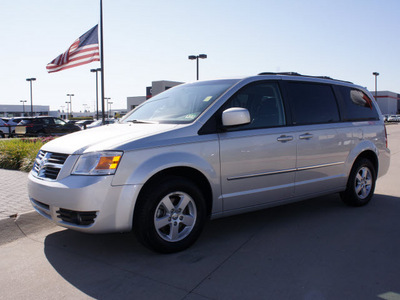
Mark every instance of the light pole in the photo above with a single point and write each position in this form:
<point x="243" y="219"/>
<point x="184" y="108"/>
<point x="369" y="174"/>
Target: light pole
<point x="107" y="105"/>
<point x="85" y="107"/>
<point x="376" y="74"/>
<point x="97" y="91"/>
<point x="196" y="57"/>
<point x="23" y="107"/>
<point x="30" y="81"/>
<point x="67" y="109"/>
<point x="109" y="112"/>
<point x="70" y="103"/>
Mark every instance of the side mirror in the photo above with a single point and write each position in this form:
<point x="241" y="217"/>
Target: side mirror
<point x="235" y="116"/>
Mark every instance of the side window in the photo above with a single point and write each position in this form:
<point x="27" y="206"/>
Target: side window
<point x="357" y="105"/>
<point x="312" y="103"/>
<point x="43" y="121"/>
<point x="263" y="101"/>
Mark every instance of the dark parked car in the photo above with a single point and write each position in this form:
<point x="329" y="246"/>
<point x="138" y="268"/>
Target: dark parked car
<point x="84" y="123"/>
<point x="12" y="124"/>
<point x="44" y="126"/>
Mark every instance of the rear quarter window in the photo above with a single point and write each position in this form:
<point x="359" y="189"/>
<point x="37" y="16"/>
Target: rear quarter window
<point x="357" y="106"/>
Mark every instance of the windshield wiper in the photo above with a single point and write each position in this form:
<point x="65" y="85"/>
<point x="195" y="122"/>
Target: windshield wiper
<point x="141" y="122"/>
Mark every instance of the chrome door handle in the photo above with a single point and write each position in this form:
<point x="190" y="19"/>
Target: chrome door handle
<point x="284" y="138"/>
<point x="306" y="136"/>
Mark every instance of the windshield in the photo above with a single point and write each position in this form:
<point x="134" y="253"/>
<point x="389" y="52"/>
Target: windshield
<point x="180" y="104"/>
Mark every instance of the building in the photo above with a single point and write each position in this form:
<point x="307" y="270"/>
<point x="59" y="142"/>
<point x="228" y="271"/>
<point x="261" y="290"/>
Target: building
<point x="156" y="88"/>
<point x="10" y="110"/>
<point x="389" y="102"/>
<point x="132" y="102"/>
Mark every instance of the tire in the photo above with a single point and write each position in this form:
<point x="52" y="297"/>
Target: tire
<point x="361" y="183"/>
<point x="41" y="134"/>
<point x="170" y="215"/>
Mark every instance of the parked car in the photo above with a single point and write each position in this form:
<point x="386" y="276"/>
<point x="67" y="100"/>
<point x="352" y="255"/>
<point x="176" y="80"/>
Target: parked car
<point x="11" y="124"/>
<point x="212" y="149"/>
<point x="44" y="126"/>
<point x="393" y="118"/>
<point x="84" y="123"/>
<point x="3" y="128"/>
<point x="98" y="123"/>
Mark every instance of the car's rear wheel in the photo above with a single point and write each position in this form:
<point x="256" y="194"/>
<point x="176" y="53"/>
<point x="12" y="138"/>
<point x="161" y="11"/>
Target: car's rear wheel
<point x="361" y="183"/>
<point x="170" y="215"/>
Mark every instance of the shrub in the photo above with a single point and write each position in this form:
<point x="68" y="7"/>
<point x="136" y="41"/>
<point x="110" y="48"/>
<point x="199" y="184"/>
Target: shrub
<point x="20" y="154"/>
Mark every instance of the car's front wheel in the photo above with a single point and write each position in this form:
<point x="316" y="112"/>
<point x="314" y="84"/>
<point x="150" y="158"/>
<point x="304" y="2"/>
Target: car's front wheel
<point x="170" y="215"/>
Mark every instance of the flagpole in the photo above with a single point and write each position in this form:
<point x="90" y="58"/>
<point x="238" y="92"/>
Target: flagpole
<point x="102" y="62"/>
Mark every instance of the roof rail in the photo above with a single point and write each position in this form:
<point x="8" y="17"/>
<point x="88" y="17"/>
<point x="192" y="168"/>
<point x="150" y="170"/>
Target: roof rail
<point x="298" y="74"/>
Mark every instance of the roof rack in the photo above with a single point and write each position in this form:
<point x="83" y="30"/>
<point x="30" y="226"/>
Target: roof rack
<point x="298" y="74"/>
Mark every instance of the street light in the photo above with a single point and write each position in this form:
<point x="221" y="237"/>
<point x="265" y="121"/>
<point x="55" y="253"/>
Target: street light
<point x="30" y="81"/>
<point x="107" y="104"/>
<point x="85" y="107"/>
<point x="376" y="74"/>
<point x="109" y="111"/>
<point x="70" y="102"/>
<point x="23" y="106"/>
<point x="97" y="91"/>
<point x="196" y="57"/>
<point x="67" y="109"/>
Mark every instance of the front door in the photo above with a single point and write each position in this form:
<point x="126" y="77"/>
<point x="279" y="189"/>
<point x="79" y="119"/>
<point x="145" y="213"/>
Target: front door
<point x="258" y="160"/>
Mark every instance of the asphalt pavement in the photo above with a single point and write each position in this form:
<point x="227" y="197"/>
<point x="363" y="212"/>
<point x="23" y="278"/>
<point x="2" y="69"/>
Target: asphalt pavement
<point x="315" y="249"/>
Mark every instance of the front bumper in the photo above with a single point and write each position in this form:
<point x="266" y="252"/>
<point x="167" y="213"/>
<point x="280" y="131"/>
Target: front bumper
<point x="84" y="203"/>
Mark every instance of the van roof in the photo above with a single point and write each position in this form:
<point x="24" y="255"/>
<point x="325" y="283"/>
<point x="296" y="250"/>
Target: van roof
<point x="301" y="75"/>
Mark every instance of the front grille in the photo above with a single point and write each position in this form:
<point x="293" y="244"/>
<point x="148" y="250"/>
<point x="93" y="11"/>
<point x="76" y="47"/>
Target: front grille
<point x="77" y="217"/>
<point x="48" y="164"/>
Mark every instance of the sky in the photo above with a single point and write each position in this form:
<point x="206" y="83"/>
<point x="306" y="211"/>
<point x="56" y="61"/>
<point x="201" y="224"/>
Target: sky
<point x="150" y="40"/>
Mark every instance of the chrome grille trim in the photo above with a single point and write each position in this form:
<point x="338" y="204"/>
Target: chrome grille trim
<point x="47" y="165"/>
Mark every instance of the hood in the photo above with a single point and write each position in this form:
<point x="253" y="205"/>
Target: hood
<point x="107" y="137"/>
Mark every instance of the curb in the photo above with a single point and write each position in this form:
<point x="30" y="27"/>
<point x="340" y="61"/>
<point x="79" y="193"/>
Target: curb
<point x="22" y="225"/>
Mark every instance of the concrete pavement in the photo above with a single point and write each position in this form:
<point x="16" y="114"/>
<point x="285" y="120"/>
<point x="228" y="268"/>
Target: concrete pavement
<point x="13" y="193"/>
<point x="17" y="216"/>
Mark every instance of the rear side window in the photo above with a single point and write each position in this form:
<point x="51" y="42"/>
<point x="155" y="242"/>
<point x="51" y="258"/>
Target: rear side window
<point x="357" y="105"/>
<point x="312" y="103"/>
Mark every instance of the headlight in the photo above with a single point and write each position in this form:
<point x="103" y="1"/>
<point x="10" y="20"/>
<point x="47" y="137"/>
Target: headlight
<point x="97" y="163"/>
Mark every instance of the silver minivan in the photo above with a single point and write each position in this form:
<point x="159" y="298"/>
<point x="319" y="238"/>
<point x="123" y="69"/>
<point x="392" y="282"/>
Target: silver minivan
<point x="211" y="149"/>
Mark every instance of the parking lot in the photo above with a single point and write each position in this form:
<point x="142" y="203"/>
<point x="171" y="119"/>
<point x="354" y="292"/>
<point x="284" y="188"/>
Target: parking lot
<point x="315" y="249"/>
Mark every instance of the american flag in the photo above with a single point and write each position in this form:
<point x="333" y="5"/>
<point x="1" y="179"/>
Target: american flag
<point x="83" y="51"/>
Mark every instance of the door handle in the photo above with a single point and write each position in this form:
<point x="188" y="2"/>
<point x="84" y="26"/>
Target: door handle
<point x="284" y="138"/>
<point x="306" y="136"/>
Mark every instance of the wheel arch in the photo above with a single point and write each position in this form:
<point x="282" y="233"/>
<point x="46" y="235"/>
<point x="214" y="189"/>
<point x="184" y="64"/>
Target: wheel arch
<point x="364" y="149"/>
<point x="372" y="157"/>
<point x="192" y="174"/>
